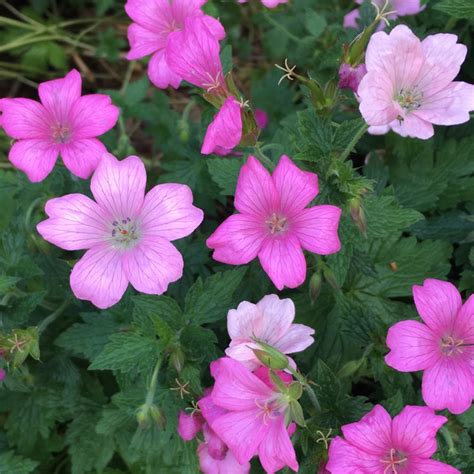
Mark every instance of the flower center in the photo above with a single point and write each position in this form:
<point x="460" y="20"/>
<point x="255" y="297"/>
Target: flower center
<point x="61" y="133"/>
<point x="276" y="224"/>
<point x="124" y="234"/>
<point x="451" y="346"/>
<point x="214" y="84"/>
<point x="394" y="461"/>
<point x="409" y="99"/>
<point x="268" y="410"/>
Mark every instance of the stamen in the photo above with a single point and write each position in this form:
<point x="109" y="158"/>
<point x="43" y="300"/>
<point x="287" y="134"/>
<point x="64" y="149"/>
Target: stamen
<point x="289" y="72"/>
<point x="451" y="346"/>
<point x="215" y="83"/>
<point x="409" y="100"/>
<point x="61" y="133"/>
<point x="266" y="411"/>
<point x="124" y="234"/>
<point x="393" y="461"/>
<point x="276" y="223"/>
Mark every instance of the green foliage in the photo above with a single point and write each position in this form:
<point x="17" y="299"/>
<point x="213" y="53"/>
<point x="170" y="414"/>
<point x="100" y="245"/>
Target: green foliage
<point x="457" y="8"/>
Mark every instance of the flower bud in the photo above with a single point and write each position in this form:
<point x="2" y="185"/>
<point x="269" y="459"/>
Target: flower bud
<point x="358" y="215"/>
<point x="331" y="278"/>
<point x="295" y="390"/>
<point x="148" y="414"/>
<point x="3" y="374"/>
<point x="315" y="286"/>
<point x="177" y="359"/>
<point x="350" y="77"/>
<point x="270" y="357"/>
<point x="296" y="413"/>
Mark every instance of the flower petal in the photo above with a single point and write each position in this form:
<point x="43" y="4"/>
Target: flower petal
<point x="242" y="432"/>
<point x="98" y="277"/>
<point x="156" y="15"/>
<point x="59" y="95"/>
<point x="75" y="223"/>
<point x="317" y="229"/>
<point x="225" y="131"/>
<point x="168" y="212"/>
<point x="36" y="158"/>
<point x="413" y="346"/>
<point x="228" y="465"/>
<point x="92" y="115"/>
<point x="236" y="388"/>
<point x="413" y="126"/>
<point x="189" y="425"/>
<point x="276" y="450"/>
<point x="143" y="41"/>
<point x="160" y="73"/>
<point x="255" y="193"/>
<point x="25" y="118"/>
<point x="276" y="318"/>
<point x="372" y="433"/>
<point x="297" y="339"/>
<point x="152" y="265"/>
<point x="237" y="240"/>
<point x="283" y="261"/>
<point x="429" y="466"/>
<point x="414" y="431"/>
<point x="295" y="188"/>
<point x="119" y="186"/>
<point x="438" y="303"/>
<point x="449" y="384"/>
<point x="81" y="157"/>
<point x="464" y="324"/>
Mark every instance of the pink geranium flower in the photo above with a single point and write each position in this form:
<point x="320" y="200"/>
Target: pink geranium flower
<point x="261" y="118"/>
<point x="270" y="320"/>
<point x="193" y="54"/>
<point x="274" y="223"/>
<point x="398" y="7"/>
<point x="409" y="84"/>
<point x="379" y="445"/>
<point x="443" y="347"/>
<point x="214" y="456"/>
<point x="3" y="374"/>
<point x="154" y="22"/>
<point x="127" y="234"/>
<point x="64" y="123"/>
<point x="350" y="77"/>
<point x="252" y="421"/>
<point x="268" y="3"/>
<point x="225" y="131"/>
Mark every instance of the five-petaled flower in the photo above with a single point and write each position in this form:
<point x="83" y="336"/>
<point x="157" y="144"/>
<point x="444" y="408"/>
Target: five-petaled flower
<point x="64" y="123"/>
<point x="379" y="445"/>
<point x="442" y="346"/>
<point x="274" y="223"/>
<point x="409" y="85"/>
<point x="270" y="321"/>
<point x="127" y="234"/>
<point x="154" y="22"/>
<point x="253" y="415"/>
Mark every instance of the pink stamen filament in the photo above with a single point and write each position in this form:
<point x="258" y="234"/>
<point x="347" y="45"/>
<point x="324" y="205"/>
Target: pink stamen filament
<point x="452" y="346"/>
<point x="214" y="84"/>
<point x="276" y="223"/>
<point x="266" y="412"/>
<point x="392" y="462"/>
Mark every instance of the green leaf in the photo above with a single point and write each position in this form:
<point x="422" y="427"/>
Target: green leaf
<point x="7" y="282"/>
<point x="128" y="352"/>
<point x="315" y="23"/>
<point x="226" y="58"/>
<point x="137" y="91"/>
<point x="89" y="450"/>
<point x="89" y="338"/>
<point x="10" y="463"/>
<point x="462" y="9"/>
<point x="209" y="301"/>
<point x="159" y="310"/>
<point x="225" y="172"/>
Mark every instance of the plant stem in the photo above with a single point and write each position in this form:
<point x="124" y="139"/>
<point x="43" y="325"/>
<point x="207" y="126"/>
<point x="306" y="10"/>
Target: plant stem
<point x="263" y="158"/>
<point x="281" y="27"/>
<point x="150" y="396"/>
<point x="52" y="317"/>
<point x="449" y="440"/>
<point x="17" y="24"/>
<point x="359" y="134"/>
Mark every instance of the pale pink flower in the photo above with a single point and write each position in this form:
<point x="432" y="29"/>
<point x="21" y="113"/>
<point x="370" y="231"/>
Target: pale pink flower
<point x="442" y="346"/>
<point x="350" y="77"/>
<point x="64" y="123"/>
<point x="409" y="84"/>
<point x="154" y="22"/>
<point x="271" y="321"/>
<point x="225" y="131"/>
<point x="253" y="418"/>
<point x="398" y="7"/>
<point x="268" y="3"/>
<point x="261" y="118"/>
<point x="193" y="54"/>
<point x="214" y="456"/>
<point x="274" y="223"/>
<point x="379" y="445"/>
<point x="127" y="234"/>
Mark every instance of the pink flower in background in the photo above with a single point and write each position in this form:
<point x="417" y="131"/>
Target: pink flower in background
<point x="409" y="84"/>
<point x="350" y="77"/>
<point x="214" y="456"/>
<point x="64" y="123"/>
<point x="193" y="54"/>
<point x="274" y="223"/>
<point x="442" y="346"/>
<point x="261" y="118"/>
<point x="270" y="320"/>
<point x="127" y="233"/>
<point x="399" y="7"/>
<point x="3" y="374"/>
<point x="225" y="131"/>
<point x="379" y="445"/>
<point x="154" y="22"/>
<point x="252" y="421"/>
<point x="268" y="3"/>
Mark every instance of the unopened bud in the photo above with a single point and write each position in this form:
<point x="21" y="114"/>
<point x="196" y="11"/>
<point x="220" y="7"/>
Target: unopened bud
<point x="315" y="286"/>
<point x="177" y="359"/>
<point x="331" y="278"/>
<point x="350" y="77"/>
<point x="295" y="390"/>
<point x="358" y="215"/>
<point x="148" y="414"/>
<point x="270" y="357"/>
<point x="296" y="413"/>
